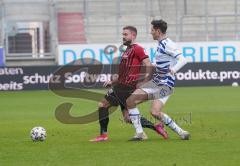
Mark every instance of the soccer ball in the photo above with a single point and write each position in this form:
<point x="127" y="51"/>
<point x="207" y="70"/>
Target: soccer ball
<point x="38" y="134"/>
<point x="235" y="84"/>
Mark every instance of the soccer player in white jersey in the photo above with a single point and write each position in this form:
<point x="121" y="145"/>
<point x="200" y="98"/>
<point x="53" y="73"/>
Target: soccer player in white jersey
<point x="168" y="61"/>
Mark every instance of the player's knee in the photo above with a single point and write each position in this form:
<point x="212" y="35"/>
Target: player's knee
<point x="130" y="102"/>
<point x="102" y="104"/>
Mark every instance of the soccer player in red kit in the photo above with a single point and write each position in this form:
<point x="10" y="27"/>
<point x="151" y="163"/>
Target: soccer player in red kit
<point x="122" y="87"/>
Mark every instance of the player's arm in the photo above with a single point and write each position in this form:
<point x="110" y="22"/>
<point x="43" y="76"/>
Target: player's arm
<point x="149" y="69"/>
<point x="181" y="61"/>
<point x="171" y="49"/>
<point x="147" y="73"/>
<point x="143" y="57"/>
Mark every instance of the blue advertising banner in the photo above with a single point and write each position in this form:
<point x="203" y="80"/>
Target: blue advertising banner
<point x="194" y="52"/>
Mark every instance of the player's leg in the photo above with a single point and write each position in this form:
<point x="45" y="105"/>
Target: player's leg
<point x="103" y="121"/>
<point x="144" y="121"/>
<point x="103" y="106"/>
<point x="145" y="92"/>
<point x="124" y="92"/>
<point x="138" y="96"/>
<point x="103" y="116"/>
<point x="128" y="120"/>
<point x="156" y="111"/>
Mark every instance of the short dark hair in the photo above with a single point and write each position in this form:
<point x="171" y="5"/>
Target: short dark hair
<point x="160" y="24"/>
<point x="131" y="28"/>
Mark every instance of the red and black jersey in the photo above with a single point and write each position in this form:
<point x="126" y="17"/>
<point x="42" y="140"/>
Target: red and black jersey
<point x="130" y="65"/>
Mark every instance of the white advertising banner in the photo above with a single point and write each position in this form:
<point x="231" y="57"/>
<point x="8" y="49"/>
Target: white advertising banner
<point x="193" y="51"/>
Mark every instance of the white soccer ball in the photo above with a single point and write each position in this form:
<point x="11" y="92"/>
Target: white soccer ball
<point x="235" y="84"/>
<point x="38" y="134"/>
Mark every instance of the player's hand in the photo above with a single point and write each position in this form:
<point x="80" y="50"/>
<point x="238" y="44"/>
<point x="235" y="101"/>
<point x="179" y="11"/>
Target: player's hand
<point x="107" y="84"/>
<point x="171" y="72"/>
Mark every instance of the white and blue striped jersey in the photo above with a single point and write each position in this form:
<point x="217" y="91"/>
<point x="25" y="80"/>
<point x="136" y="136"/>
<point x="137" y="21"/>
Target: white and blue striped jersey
<point x="165" y="58"/>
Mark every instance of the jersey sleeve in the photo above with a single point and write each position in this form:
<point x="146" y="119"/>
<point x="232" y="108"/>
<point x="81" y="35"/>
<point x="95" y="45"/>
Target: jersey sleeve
<point x="140" y="53"/>
<point x="172" y="50"/>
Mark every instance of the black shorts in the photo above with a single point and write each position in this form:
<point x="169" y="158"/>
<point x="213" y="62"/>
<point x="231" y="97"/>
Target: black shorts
<point x="118" y="95"/>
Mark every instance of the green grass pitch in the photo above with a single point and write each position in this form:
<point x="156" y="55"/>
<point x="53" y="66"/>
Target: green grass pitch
<point x="210" y="114"/>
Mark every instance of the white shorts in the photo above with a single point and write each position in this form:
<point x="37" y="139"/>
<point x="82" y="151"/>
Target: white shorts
<point x="155" y="92"/>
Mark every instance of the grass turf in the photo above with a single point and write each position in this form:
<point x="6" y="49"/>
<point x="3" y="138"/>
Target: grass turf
<point x="211" y="114"/>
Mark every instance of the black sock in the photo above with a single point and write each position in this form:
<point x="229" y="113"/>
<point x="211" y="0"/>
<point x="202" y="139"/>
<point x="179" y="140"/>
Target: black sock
<point x="147" y="124"/>
<point x="103" y="119"/>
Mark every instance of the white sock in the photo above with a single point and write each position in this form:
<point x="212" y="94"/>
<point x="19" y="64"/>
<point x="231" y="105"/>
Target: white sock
<point x="171" y="124"/>
<point x="135" y="119"/>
